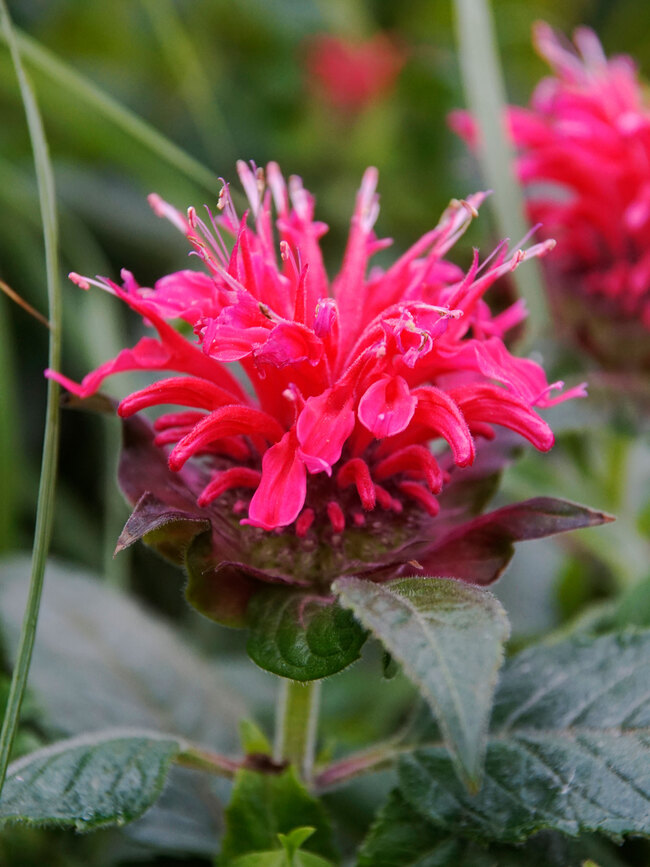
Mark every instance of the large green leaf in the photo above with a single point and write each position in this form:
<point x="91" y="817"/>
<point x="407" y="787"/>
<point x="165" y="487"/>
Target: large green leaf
<point x="301" y="636"/>
<point x="265" y="805"/>
<point x="569" y="748"/>
<point x="400" y="837"/>
<point x="449" y="638"/>
<point x="89" y="782"/>
<point x="102" y="660"/>
<point x="187" y="818"/>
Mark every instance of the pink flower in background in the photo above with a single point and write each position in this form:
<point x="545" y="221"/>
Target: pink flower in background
<point x="348" y="383"/>
<point x="584" y="157"/>
<point x="352" y="75"/>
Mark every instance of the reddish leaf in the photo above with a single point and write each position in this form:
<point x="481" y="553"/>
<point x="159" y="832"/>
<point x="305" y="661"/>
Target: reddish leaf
<point x="167" y="530"/>
<point x="478" y="552"/>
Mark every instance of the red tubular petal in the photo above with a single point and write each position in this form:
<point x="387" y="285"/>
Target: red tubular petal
<point x="281" y="493"/>
<point x="349" y="287"/>
<point x="387" y="406"/>
<point x="171" y="435"/>
<point x="231" y="447"/>
<point x="224" y="422"/>
<point x="179" y="354"/>
<point x="235" y="477"/>
<point x="412" y="459"/>
<point x="356" y="472"/>
<point x="324" y="424"/>
<point x="178" y="419"/>
<point x="171" y="352"/>
<point x="336" y="516"/>
<point x="420" y="494"/>
<point x="188" y="295"/>
<point x="438" y="412"/>
<point x="383" y="497"/>
<point x="180" y="390"/>
<point x="147" y="354"/>
<point x="489" y="403"/>
<point x="304" y="522"/>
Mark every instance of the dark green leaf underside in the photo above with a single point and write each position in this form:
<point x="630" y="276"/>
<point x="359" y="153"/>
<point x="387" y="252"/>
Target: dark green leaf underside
<point x="301" y="636"/>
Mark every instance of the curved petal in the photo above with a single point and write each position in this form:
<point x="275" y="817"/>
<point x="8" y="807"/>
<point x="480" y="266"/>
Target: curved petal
<point x="437" y="411"/>
<point x="224" y="422"/>
<point x="387" y="406"/>
<point x="324" y="424"/>
<point x="178" y="390"/>
<point x="280" y="495"/>
<point x="494" y="405"/>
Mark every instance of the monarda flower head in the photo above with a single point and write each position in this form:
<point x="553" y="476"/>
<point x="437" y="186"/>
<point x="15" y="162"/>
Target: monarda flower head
<point x="584" y="157"/>
<point x="350" y="76"/>
<point x="360" y="440"/>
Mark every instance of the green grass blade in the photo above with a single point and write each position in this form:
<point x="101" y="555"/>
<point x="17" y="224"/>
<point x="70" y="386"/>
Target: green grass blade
<point x="45" y="508"/>
<point x="194" y="84"/>
<point x="10" y="459"/>
<point x="128" y="121"/>
<point x="486" y="99"/>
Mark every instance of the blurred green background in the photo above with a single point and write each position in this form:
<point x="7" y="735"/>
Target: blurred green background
<point x="227" y="80"/>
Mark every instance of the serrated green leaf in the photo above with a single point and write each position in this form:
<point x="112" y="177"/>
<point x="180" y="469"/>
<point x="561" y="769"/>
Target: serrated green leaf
<point x="301" y="636"/>
<point x="102" y="660"/>
<point x="89" y="782"/>
<point x="265" y="805"/>
<point x="569" y="749"/>
<point x="449" y="638"/>
<point x="400" y="837"/>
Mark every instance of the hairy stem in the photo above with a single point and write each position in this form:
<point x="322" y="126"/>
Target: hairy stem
<point x="212" y="763"/>
<point x="296" y="723"/>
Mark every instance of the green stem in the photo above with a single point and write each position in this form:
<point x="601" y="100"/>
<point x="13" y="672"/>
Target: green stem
<point x="88" y="93"/>
<point x="211" y="763"/>
<point x="45" y="507"/>
<point x="10" y="455"/>
<point x="617" y="448"/>
<point x="297" y="720"/>
<point x="486" y="99"/>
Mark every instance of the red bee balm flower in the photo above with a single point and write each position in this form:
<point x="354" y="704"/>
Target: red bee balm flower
<point x="584" y="154"/>
<point x="323" y="466"/>
<point x="352" y="75"/>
